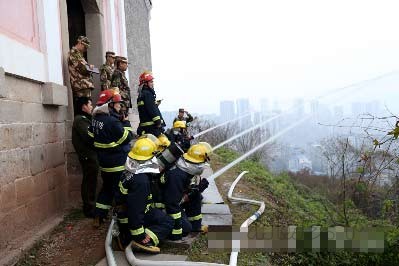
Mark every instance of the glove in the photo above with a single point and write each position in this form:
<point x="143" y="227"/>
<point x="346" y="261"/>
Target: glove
<point x="203" y="185"/>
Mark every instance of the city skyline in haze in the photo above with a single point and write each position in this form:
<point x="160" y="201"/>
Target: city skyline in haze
<point x="206" y="51"/>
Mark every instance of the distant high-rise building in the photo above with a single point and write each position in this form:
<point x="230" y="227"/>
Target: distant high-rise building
<point x="338" y="112"/>
<point x="314" y="107"/>
<point x="276" y="107"/>
<point x="227" y="111"/>
<point x="242" y="109"/>
<point x="264" y="106"/>
<point x="299" y="105"/>
<point x="372" y="108"/>
<point x="242" y="106"/>
<point x="357" y="108"/>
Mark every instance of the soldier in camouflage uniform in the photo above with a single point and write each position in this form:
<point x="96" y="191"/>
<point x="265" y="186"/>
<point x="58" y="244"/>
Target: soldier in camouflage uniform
<point x="81" y="80"/>
<point x="106" y="71"/>
<point x="119" y="80"/>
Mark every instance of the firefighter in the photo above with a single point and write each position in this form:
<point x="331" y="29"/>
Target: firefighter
<point x="177" y="184"/>
<point x="179" y="134"/>
<point x="112" y="133"/>
<point x="139" y="222"/>
<point x="150" y="117"/>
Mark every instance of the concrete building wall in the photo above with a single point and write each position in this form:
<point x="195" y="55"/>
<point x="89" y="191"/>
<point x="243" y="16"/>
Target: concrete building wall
<point x="137" y="16"/>
<point x="40" y="174"/>
<point x="33" y="182"/>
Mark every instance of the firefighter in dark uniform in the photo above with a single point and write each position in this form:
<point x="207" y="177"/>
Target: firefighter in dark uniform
<point x="83" y="145"/>
<point x="180" y="135"/>
<point x="112" y="133"/>
<point x="151" y="121"/>
<point x="139" y="222"/>
<point x="186" y="210"/>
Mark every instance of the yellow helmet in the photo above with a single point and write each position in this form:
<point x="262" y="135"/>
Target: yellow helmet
<point x="196" y="154"/>
<point x="143" y="149"/>
<point x="151" y="137"/>
<point x="179" y="124"/>
<point x="164" y="142"/>
<point x="207" y="147"/>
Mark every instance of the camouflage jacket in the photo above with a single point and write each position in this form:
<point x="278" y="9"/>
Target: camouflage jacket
<point x="106" y="76"/>
<point x="119" y="80"/>
<point x="81" y="79"/>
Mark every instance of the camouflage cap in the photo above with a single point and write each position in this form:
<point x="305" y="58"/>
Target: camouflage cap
<point x="121" y="59"/>
<point x="110" y="53"/>
<point x="84" y="40"/>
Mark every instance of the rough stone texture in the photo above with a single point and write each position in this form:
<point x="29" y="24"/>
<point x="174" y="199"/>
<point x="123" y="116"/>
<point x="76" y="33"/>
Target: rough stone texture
<point x="13" y="164"/>
<point x="54" y="94"/>
<point x="31" y="92"/>
<point x="33" y="182"/>
<point x="37" y="159"/>
<point x="8" y="198"/>
<point x="54" y="154"/>
<point x="138" y="43"/>
<point x="24" y="188"/>
<point x="48" y="132"/>
<point x="15" y="136"/>
<point x="3" y="92"/>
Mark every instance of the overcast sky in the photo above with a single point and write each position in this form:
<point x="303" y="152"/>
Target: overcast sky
<point x="204" y="51"/>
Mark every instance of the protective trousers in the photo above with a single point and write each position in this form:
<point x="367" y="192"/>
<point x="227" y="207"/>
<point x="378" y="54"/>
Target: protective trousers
<point x="139" y="218"/>
<point x="89" y="184"/>
<point x="107" y="192"/>
<point x="176" y="184"/>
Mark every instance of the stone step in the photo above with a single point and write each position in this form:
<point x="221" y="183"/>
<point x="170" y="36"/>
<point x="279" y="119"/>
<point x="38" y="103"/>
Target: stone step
<point x="211" y="194"/>
<point x="221" y="209"/>
<point x="121" y="258"/>
<point x="217" y="221"/>
<point x="185" y="243"/>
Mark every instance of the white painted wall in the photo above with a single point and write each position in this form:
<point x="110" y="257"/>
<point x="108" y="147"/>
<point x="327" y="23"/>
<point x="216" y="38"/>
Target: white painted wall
<point x="25" y="61"/>
<point x="22" y="60"/>
<point x="52" y="31"/>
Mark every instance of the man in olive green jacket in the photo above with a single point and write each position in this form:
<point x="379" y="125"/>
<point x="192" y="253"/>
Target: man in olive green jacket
<point x="83" y="145"/>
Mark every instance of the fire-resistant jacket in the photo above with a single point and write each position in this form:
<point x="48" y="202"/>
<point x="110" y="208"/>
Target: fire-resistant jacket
<point x="149" y="113"/>
<point x="111" y="139"/>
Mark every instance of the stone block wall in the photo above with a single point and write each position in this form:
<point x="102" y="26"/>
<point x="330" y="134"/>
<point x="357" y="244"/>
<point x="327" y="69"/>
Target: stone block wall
<point x="33" y="131"/>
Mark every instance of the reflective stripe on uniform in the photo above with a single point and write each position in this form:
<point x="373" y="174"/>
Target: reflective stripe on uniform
<point x="177" y="231"/>
<point x="176" y="215"/>
<point x="113" y="144"/>
<point x="140" y="103"/>
<point x="153" y="236"/>
<point x="147" y="208"/>
<point x="124" y="136"/>
<point x="90" y="134"/>
<point x="137" y="231"/>
<point x="122" y="189"/>
<point x="149" y="197"/>
<point x="128" y="128"/>
<point x="146" y="124"/>
<point x="103" y="206"/>
<point x="156" y="118"/>
<point x="159" y="205"/>
<point x="113" y="169"/>
<point x="123" y="220"/>
<point x="195" y="218"/>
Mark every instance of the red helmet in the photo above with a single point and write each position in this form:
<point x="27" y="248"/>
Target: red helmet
<point x="109" y="96"/>
<point x="146" y="76"/>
